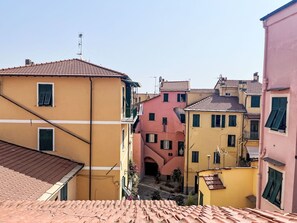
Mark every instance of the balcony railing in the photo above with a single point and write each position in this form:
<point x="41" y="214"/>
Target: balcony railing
<point x="251" y="135"/>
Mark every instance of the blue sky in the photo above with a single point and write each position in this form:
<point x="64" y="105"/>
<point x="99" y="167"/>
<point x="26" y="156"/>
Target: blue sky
<point x="193" y="40"/>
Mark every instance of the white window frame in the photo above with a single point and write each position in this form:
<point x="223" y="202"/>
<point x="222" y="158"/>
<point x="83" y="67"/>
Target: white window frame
<point x="166" y="144"/>
<point x="151" y="138"/>
<point x="38" y="134"/>
<point x="53" y="93"/>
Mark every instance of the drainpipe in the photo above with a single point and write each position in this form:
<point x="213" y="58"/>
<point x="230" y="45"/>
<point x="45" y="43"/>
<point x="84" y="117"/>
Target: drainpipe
<point x="261" y="140"/>
<point x="91" y="134"/>
<point x="188" y="150"/>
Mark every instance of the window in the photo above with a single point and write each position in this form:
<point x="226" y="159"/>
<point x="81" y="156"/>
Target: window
<point x="151" y="138"/>
<point x="64" y="193"/>
<point x="166" y="144"/>
<point x="181" y="148"/>
<point x="151" y="116"/>
<point x="231" y="140"/>
<point x="255" y="101"/>
<point x="232" y="120"/>
<point x="216" y="158"/>
<point x="273" y="189"/>
<point x="277" y="117"/>
<point x="195" y="157"/>
<point x="196" y="120"/>
<point x="254" y="130"/>
<point x="218" y="121"/>
<point x="170" y="154"/>
<point x="181" y="97"/>
<point x="165" y="97"/>
<point x="182" y="118"/>
<point x="46" y="139"/>
<point x="45" y="94"/>
<point x="164" y="121"/>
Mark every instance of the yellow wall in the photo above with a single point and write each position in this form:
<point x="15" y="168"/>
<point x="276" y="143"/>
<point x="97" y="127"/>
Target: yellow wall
<point x="193" y="96"/>
<point x="239" y="183"/>
<point x="71" y="112"/>
<point x="206" y="140"/>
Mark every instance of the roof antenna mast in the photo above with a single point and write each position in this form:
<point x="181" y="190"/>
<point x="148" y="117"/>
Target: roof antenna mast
<point x="80" y="36"/>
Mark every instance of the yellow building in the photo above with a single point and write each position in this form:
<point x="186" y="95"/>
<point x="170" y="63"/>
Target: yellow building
<point x="76" y="110"/>
<point x="234" y="187"/>
<point x="221" y="128"/>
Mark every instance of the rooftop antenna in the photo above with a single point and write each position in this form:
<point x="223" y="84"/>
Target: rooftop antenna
<point x="80" y="36"/>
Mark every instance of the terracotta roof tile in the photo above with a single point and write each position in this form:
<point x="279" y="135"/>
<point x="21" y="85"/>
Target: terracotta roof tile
<point x="175" y="86"/>
<point x="27" y="174"/>
<point x="253" y="87"/>
<point x="72" y="67"/>
<point x="217" y="103"/>
<point x="131" y="211"/>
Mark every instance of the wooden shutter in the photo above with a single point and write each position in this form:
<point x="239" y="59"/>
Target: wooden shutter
<point x="213" y="121"/>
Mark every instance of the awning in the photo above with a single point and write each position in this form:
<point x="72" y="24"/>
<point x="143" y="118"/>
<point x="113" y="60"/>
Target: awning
<point x="273" y="161"/>
<point x="253" y="152"/>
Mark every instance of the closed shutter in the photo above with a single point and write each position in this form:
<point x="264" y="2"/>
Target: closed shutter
<point x="156" y="138"/>
<point x="223" y="121"/>
<point x="213" y="120"/>
<point x="46" y="139"/>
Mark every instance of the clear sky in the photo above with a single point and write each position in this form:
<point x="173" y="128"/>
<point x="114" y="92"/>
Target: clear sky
<point x="193" y="40"/>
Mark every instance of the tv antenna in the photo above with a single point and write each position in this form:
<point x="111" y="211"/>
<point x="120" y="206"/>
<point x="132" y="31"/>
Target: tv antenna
<point x="155" y="87"/>
<point x="80" y="36"/>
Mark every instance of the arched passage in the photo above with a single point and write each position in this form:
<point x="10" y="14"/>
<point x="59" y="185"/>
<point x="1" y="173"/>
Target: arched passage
<point x="150" y="167"/>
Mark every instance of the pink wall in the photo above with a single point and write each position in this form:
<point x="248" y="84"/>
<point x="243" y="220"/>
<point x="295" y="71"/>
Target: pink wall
<point x="174" y="129"/>
<point x="138" y="146"/>
<point x="280" y="70"/>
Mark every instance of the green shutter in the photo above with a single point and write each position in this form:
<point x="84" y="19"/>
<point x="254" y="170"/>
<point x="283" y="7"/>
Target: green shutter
<point x="278" y="119"/>
<point x="170" y="144"/>
<point x="270" y="119"/>
<point x="223" y="121"/>
<point x="128" y="101"/>
<point x="46" y="139"/>
<point x="196" y="120"/>
<point x="277" y="187"/>
<point x="161" y="144"/>
<point x="178" y="97"/>
<point x="165" y="97"/>
<point x="255" y="101"/>
<point x="147" y="137"/>
<point x="213" y="121"/>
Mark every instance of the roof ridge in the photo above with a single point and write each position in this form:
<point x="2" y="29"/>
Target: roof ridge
<point x="38" y="151"/>
<point x="38" y="64"/>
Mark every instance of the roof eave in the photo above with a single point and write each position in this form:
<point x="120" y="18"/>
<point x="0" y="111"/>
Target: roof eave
<point x="278" y="10"/>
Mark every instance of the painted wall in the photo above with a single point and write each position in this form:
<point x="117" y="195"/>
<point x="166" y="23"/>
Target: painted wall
<point x="174" y="131"/>
<point x="71" y="112"/>
<point x="280" y="71"/>
<point x="239" y="183"/>
<point x="206" y="140"/>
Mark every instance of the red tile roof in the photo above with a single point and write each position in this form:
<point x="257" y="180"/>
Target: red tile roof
<point x="26" y="174"/>
<point x="213" y="182"/>
<point x="252" y="87"/>
<point x="72" y="67"/>
<point x="131" y="211"/>
<point x="217" y="103"/>
<point x="175" y="86"/>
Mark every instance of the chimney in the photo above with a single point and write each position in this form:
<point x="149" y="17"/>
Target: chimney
<point x="28" y="62"/>
<point x="256" y="77"/>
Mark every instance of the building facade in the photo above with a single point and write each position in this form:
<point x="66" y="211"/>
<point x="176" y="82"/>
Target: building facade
<point x="160" y="131"/>
<point x="73" y="109"/>
<point x="277" y="165"/>
<point x="222" y="127"/>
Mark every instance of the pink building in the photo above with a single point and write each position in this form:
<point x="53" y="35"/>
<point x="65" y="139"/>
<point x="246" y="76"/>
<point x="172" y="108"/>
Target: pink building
<point x="277" y="187"/>
<point x="160" y="133"/>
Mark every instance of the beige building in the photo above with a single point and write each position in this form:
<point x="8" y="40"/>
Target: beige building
<point x="222" y="127"/>
<point x="73" y="109"/>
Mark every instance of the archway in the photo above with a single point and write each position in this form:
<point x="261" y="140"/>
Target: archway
<point x="150" y="167"/>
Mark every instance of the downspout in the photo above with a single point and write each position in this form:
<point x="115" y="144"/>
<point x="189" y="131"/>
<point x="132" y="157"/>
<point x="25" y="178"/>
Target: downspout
<point x="188" y="150"/>
<point x="91" y="134"/>
<point x="264" y="87"/>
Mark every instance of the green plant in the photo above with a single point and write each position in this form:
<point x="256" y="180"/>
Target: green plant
<point x="156" y="195"/>
<point x="176" y="175"/>
<point x="192" y="200"/>
<point x="134" y="178"/>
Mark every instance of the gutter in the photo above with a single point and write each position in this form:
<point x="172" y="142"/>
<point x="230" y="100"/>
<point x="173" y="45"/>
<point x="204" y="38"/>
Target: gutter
<point x="261" y="139"/>
<point x="90" y="140"/>
<point x="188" y="150"/>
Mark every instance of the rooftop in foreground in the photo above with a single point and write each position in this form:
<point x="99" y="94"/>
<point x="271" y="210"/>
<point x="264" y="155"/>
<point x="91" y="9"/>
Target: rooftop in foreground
<point x="131" y="211"/>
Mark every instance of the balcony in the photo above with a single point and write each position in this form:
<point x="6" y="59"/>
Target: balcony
<point x="251" y="135"/>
